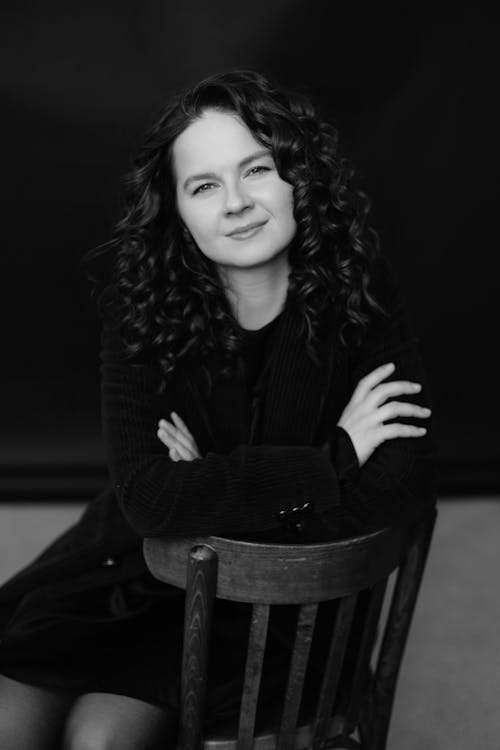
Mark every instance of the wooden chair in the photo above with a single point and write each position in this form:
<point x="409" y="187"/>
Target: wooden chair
<point x="276" y="574"/>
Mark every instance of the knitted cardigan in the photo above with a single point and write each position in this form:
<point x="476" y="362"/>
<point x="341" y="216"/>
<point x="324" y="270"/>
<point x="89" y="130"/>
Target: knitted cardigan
<point x="263" y="465"/>
<point x="246" y="483"/>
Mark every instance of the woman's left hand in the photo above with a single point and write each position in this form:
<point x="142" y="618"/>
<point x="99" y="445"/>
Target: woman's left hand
<point x="178" y="439"/>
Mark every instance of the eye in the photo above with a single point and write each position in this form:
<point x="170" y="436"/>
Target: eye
<point x="203" y="188"/>
<point x="258" y="169"/>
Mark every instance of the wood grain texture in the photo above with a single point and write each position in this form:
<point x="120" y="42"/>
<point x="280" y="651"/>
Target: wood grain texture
<point x="200" y="596"/>
<point x="300" y="657"/>
<point x="361" y="674"/>
<point x="282" y="573"/>
<point x="264" y="574"/>
<point x="253" y="673"/>
<point x="334" y="663"/>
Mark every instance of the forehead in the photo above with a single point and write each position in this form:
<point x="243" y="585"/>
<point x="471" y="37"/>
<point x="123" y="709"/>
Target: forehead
<point x="214" y="142"/>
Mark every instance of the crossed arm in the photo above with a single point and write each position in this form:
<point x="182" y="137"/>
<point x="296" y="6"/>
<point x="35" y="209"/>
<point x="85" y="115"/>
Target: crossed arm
<point x="390" y="466"/>
<point x="372" y="405"/>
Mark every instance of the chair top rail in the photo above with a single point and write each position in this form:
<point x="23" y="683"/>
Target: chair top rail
<point x="283" y="573"/>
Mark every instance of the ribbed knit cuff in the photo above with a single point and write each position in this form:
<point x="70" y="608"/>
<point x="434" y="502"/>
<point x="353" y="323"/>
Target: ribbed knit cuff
<point x="343" y="455"/>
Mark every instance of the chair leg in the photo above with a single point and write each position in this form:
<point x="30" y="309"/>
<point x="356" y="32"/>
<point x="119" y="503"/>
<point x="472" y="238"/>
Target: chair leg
<point x="396" y="633"/>
<point x="200" y="596"/>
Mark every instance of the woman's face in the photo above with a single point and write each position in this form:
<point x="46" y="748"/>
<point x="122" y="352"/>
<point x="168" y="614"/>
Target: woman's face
<point x="229" y="194"/>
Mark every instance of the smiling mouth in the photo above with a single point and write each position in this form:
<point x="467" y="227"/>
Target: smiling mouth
<point x="242" y="233"/>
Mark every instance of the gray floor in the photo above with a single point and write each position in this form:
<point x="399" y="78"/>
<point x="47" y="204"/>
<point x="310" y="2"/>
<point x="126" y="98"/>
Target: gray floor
<point x="448" y="694"/>
<point x="449" y="689"/>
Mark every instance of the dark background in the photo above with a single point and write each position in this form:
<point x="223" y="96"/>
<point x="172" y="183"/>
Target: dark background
<point x="416" y="97"/>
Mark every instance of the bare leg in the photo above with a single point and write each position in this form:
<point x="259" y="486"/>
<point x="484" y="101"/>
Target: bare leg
<point x="31" y="717"/>
<point x="104" y="721"/>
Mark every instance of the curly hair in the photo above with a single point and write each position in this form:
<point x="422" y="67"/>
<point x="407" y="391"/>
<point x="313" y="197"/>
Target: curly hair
<point x="170" y="298"/>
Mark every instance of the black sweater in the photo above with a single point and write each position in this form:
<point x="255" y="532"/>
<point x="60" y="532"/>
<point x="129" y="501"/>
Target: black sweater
<point x="259" y="458"/>
<point x="248" y="480"/>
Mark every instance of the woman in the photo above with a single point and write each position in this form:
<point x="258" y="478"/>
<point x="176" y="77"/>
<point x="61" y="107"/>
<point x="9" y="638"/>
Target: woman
<point x="259" y="378"/>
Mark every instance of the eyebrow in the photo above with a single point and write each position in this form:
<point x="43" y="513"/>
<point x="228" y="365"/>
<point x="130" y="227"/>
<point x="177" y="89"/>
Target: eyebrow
<point x="241" y="164"/>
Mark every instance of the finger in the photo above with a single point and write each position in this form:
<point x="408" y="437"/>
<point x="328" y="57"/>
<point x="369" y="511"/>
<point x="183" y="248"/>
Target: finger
<point x="165" y="438"/>
<point x="180" y="424"/>
<point x="402" y="409"/>
<point x="174" y="444"/>
<point x="183" y="427"/>
<point x="176" y="450"/>
<point x="177" y="435"/>
<point x="374" y="378"/>
<point x="395" y="388"/>
<point x="391" y="431"/>
<point x="174" y="455"/>
<point x="181" y="452"/>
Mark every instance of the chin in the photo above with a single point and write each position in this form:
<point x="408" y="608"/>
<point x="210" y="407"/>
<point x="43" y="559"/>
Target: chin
<point x="254" y="260"/>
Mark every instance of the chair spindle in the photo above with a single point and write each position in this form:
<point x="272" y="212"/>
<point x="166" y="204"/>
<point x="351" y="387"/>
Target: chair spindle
<point x="300" y="656"/>
<point x="361" y="669"/>
<point x="253" y="673"/>
<point x="334" y="663"/>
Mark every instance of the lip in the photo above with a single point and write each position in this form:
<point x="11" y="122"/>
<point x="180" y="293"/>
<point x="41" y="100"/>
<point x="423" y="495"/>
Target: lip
<point x="246" y="229"/>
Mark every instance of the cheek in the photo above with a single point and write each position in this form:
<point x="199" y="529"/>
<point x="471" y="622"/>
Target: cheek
<point x="285" y="204"/>
<point x="198" y="220"/>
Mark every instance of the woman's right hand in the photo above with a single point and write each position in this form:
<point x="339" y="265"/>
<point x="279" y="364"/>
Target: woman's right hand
<point x="176" y="436"/>
<point x="369" y="408"/>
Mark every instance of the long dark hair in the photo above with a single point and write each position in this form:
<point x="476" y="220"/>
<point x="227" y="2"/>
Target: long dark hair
<point x="169" y="297"/>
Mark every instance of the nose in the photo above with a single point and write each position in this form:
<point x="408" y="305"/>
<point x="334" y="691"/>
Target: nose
<point x="237" y="198"/>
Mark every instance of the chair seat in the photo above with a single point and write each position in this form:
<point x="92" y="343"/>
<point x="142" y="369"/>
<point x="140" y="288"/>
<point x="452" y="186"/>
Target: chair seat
<point x="225" y="737"/>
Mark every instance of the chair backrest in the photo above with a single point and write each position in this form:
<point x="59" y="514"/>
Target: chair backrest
<point x="270" y="574"/>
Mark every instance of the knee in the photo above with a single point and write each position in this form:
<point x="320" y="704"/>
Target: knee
<point x="102" y="721"/>
<point x="87" y="735"/>
<point x="30" y="716"/>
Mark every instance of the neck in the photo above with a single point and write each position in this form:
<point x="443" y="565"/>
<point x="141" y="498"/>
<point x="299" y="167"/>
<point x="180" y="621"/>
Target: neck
<point x="257" y="295"/>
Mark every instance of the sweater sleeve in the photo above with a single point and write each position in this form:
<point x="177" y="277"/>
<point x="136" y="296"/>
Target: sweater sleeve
<point x="250" y="489"/>
<point x="398" y="482"/>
